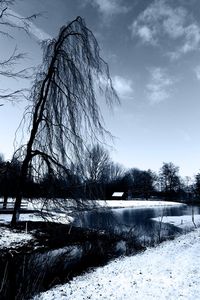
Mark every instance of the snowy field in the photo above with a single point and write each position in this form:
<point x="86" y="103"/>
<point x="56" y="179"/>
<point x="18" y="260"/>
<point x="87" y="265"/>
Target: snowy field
<point x="167" y="272"/>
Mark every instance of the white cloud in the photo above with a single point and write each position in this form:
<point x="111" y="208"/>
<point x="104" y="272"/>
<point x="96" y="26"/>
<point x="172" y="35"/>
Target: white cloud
<point x="160" y="21"/>
<point x="18" y="20"/>
<point x="109" y="7"/>
<point x="173" y="22"/>
<point x="146" y="34"/>
<point x="197" y="72"/>
<point x="158" y="88"/>
<point x="123" y="87"/>
<point x="192" y="33"/>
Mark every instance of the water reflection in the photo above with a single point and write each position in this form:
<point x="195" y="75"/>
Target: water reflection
<point x="137" y="222"/>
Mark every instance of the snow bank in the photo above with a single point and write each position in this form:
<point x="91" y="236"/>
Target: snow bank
<point x="169" y="271"/>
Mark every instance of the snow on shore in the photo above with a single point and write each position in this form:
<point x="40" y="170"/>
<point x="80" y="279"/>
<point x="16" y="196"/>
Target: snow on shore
<point x="184" y="221"/>
<point x="137" y="203"/>
<point x="167" y="272"/>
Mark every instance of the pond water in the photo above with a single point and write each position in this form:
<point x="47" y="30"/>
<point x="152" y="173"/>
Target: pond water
<point x="136" y="221"/>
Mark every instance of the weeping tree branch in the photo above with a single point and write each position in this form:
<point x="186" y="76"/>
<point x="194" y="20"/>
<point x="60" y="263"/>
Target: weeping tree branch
<point x="64" y="111"/>
<point x="10" y="21"/>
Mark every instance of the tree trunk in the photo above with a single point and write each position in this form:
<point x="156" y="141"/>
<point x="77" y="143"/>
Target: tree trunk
<point x="19" y="195"/>
<point x="16" y="212"/>
<point x="5" y="200"/>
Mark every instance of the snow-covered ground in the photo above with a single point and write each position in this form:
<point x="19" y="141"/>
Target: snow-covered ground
<point x="167" y="272"/>
<point x="184" y="222"/>
<point x="53" y="217"/>
<point x="11" y="239"/>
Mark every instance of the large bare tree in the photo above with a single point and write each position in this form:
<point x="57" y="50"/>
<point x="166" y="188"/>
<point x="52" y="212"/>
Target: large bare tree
<point x="64" y="111"/>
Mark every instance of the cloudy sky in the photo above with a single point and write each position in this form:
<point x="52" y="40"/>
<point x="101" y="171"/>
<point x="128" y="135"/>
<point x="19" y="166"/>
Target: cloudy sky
<point x="153" y="50"/>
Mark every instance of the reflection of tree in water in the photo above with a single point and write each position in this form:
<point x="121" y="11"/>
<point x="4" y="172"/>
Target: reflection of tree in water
<point x="98" y="219"/>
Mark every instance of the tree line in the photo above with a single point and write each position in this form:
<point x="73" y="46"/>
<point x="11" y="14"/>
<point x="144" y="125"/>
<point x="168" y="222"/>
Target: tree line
<point x="99" y="178"/>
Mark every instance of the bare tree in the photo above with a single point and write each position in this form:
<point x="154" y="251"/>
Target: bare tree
<point x="98" y="165"/>
<point x="65" y="112"/>
<point x="96" y="170"/>
<point x="96" y="162"/>
<point x="116" y="171"/>
<point x="9" y="22"/>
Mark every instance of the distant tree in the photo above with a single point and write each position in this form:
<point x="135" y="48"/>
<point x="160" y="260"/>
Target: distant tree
<point x="54" y="185"/>
<point x="113" y="180"/>
<point x="116" y="171"/>
<point x="5" y="173"/>
<point x="9" y="175"/>
<point x="2" y="174"/>
<point x="197" y="186"/>
<point x="96" y="170"/>
<point x="96" y="163"/>
<point x="51" y="186"/>
<point x="65" y="112"/>
<point x="169" y="180"/>
<point x="101" y="173"/>
<point x="141" y="183"/>
<point x="187" y="188"/>
<point x="1" y="158"/>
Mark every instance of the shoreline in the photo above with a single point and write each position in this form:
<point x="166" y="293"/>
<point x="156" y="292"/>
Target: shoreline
<point x="168" y="271"/>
